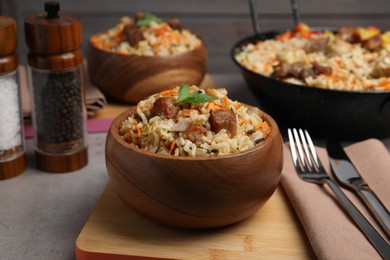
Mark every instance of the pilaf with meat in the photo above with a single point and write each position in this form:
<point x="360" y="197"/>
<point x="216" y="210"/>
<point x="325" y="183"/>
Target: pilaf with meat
<point x="189" y="121"/>
<point x="353" y="58"/>
<point x="147" y="35"/>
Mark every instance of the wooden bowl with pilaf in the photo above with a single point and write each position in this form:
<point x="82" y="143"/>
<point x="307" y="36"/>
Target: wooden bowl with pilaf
<point x="143" y="60"/>
<point x="194" y="192"/>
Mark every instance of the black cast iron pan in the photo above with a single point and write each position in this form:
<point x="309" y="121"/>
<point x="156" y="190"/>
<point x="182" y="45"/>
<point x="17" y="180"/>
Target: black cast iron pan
<point x="348" y="115"/>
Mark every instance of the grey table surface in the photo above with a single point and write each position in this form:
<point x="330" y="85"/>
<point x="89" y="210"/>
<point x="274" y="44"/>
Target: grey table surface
<point x="42" y="214"/>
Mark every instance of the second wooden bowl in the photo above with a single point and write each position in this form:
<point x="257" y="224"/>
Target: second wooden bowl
<point x="190" y="192"/>
<point x="130" y="78"/>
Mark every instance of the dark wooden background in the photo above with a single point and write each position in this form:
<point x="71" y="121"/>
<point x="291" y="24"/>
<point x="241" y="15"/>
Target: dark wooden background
<point x="221" y="22"/>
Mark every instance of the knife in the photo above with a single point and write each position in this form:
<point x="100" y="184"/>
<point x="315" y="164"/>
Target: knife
<point x="347" y="174"/>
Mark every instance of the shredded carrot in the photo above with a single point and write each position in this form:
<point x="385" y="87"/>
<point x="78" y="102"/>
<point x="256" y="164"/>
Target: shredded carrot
<point x="385" y="84"/>
<point x="135" y="122"/>
<point x="95" y="40"/>
<point x="175" y="37"/>
<point x="161" y="30"/>
<point x="170" y="92"/>
<point x="243" y="121"/>
<point x="172" y="146"/>
<point x="373" y="28"/>
<point x="254" y="68"/>
<point x="266" y="67"/>
<point x="284" y="36"/>
<point x="301" y="27"/>
<point x="138" y="130"/>
<point x="226" y="102"/>
<point x="265" y="128"/>
<point x="239" y="105"/>
<point x="357" y="65"/>
<point x="212" y="106"/>
<point x="123" y="52"/>
<point x="257" y="126"/>
<point x="341" y="63"/>
<point x="334" y="78"/>
<point x="127" y="136"/>
<point x="272" y="59"/>
<point x="305" y="34"/>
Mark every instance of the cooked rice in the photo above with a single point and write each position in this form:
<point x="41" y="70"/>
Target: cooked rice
<point x="155" y="133"/>
<point x="353" y="67"/>
<point x="160" y="40"/>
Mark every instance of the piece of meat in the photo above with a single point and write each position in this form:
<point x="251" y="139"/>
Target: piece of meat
<point x="138" y="16"/>
<point x="175" y="24"/>
<point x="223" y="119"/>
<point x="300" y="70"/>
<point x="165" y="107"/>
<point x="132" y="34"/>
<point x="319" y="69"/>
<point x="349" y="34"/>
<point x="306" y="72"/>
<point x="373" y="44"/>
<point x="296" y="69"/>
<point x="281" y="71"/>
<point x="380" y="72"/>
<point x="195" y="133"/>
<point x="317" y="45"/>
<point x="381" y="67"/>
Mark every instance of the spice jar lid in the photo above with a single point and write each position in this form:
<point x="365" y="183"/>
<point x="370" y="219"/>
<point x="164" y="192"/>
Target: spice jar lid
<point x="53" y="31"/>
<point x="7" y="35"/>
<point x="8" y="59"/>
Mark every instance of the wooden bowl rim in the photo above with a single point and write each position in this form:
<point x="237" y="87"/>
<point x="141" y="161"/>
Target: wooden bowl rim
<point x="267" y="142"/>
<point x="202" y="46"/>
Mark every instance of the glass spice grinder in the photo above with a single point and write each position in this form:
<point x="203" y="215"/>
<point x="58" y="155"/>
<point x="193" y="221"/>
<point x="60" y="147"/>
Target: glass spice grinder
<point x="56" y="86"/>
<point x="12" y="158"/>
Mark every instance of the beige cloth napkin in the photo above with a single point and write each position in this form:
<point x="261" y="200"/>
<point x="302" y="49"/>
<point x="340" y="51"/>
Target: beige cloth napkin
<point x="94" y="98"/>
<point x="331" y="232"/>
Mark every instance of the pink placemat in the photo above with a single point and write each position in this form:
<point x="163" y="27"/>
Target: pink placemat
<point x="93" y="126"/>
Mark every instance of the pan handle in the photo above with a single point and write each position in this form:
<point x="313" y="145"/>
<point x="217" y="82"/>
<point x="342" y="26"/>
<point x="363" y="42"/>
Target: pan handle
<point x="295" y="11"/>
<point x="255" y="17"/>
<point x="385" y="107"/>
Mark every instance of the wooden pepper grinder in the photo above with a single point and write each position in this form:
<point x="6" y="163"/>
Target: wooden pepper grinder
<point x="55" y="72"/>
<point x="12" y="158"/>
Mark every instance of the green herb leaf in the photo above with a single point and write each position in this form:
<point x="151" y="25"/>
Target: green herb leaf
<point x="147" y="19"/>
<point x="196" y="97"/>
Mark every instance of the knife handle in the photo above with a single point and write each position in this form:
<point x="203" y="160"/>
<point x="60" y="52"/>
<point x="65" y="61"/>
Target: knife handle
<point x="376" y="207"/>
<point x="380" y="244"/>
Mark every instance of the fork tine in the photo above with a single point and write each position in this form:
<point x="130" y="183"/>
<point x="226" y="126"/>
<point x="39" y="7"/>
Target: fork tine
<point x="313" y="150"/>
<point x="292" y="148"/>
<point x="305" y="148"/>
<point x="299" y="148"/>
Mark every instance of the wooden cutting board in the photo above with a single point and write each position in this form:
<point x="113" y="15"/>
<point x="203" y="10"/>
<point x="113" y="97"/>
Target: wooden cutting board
<point x="114" y="231"/>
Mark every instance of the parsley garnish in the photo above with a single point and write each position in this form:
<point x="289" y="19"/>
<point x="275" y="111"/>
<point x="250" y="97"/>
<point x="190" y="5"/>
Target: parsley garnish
<point x="147" y="19"/>
<point x="196" y="97"/>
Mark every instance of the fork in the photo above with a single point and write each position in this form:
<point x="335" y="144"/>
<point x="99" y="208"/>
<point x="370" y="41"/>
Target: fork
<point x="309" y="168"/>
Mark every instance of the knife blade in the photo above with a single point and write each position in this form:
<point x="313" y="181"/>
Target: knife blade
<point x="347" y="174"/>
